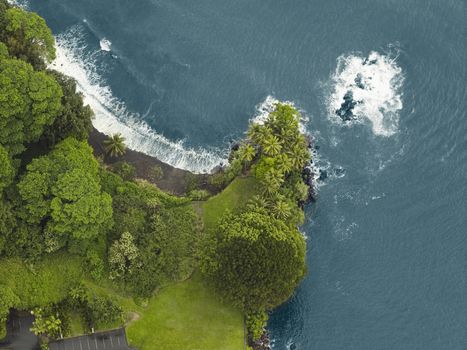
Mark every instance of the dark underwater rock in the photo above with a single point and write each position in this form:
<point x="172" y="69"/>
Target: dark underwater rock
<point x="345" y="112"/>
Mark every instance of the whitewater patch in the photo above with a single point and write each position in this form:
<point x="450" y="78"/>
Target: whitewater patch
<point x="367" y="88"/>
<point x="112" y="116"/>
<point x="105" y="44"/>
<point x="19" y="3"/>
<point x="264" y="108"/>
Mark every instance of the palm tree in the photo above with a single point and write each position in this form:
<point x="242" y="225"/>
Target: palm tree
<point x="257" y="202"/>
<point x="284" y="163"/>
<point x="299" y="155"/>
<point x="247" y="153"/>
<point x="115" y="145"/>
<point x="281" y="210"/>
<point x="271" y="145"/>
<point x="272" y="182"/>
<point x="255" y="132"/>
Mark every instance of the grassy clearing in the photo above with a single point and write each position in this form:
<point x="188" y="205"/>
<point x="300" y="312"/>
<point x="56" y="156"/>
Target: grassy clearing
<point x="188" y="316"/>
<point x="236" y="194"/>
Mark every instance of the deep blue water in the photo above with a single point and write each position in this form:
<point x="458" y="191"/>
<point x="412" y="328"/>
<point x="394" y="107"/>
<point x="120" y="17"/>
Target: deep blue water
<point x="387" y="237"/>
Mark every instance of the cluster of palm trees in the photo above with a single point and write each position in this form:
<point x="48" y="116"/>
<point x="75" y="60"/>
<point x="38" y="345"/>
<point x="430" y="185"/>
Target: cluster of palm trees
<point x="279" y="146"/>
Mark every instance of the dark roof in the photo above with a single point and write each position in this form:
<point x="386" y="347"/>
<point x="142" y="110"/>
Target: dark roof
<point x="110" y="340"/>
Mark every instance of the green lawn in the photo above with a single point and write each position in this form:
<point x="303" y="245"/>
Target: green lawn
<point x="187" y="316"/>
<point x="236" y="194"/>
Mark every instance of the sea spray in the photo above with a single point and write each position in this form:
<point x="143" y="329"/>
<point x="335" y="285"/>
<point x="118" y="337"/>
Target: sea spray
<point x="367" y="88"/>
<point x="112" y="116"/>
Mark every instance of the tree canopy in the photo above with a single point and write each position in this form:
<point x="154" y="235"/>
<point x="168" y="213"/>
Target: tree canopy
<point x="61" y="191"/>
<point x="28" y="37"/>
<point x="74" y="119"/>
<point x="6" y="169"/>
<point x="256" y="261"/>
<point x="29" y="100"/>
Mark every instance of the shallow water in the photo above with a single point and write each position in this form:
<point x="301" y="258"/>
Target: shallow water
<point x="387" y="237"/>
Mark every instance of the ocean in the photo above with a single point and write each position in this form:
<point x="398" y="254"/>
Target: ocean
<point x="387" y="238"/>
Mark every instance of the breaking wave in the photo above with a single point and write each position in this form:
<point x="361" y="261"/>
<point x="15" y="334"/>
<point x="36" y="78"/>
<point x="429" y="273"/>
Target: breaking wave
<point x="368" y="88"/>
<point x="111" y="114"/>
<point x="105" y="44"/>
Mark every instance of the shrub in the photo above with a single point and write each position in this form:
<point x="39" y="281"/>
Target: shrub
<point x="125" y="170"/>
<point x="255" y="324"/>
<point x="155" y="173"/>
<point x="198" y="195"/>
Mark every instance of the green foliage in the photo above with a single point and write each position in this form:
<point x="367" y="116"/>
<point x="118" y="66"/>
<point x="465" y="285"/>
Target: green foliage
<point x="62" y="190"/>
<point x="164" y="228"/>
<point x="7" y="225"/>
<point x="123" y="256"/>
<point x="49" y="325"/>
<point x="175" y="234"/>
<point x="29" y="101"/>
<point x="74" y="119"/>
<point x="6" y="169"/>
<point x="125" y="170"/>
<point x="114" y="145"/>
<point x="8" y="299"/>
<point x="95" y="264"/>
<point x="198" y="195"/>
<point x="28" y="37"/>
<point x="257" y="261"/>
<point x="155" y="173"/>
<point x="43" y="283"/>
<point x="101" y="310"/>
<point x="255" y="324"/>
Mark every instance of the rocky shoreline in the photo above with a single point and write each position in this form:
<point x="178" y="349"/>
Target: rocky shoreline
<point x="178" y="181"/>
<point x="172" y="180"/>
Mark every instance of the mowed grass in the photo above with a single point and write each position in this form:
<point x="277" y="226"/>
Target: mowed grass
<point x="188" y="316"/>
<point x="234" y="196"/>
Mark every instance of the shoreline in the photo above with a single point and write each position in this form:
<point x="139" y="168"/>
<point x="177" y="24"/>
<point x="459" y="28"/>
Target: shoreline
<point x="173" y="180"/>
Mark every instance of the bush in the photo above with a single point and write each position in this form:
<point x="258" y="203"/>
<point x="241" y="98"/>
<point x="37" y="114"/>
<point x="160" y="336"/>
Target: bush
<point x="155" y="173"/>
<point x="125" y="170"/>
<point x="102" y="311"/>
<point x="256" y="324"/>
<point x="198" y="195"/>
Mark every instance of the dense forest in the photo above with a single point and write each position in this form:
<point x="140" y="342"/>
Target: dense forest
<point x="73" y="225"/>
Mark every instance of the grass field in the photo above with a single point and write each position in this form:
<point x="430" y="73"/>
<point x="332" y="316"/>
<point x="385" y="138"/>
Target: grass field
<point x="187" y="316"/>
<point x="235" y="195"/>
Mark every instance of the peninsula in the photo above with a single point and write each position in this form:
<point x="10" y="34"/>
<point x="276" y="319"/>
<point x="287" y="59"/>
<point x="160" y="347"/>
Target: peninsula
<point x="95" y="237"/>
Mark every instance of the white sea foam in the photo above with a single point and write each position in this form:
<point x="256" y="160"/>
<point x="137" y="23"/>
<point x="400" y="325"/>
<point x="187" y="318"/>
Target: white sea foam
<point x="112" y="116"/>
<point x="375" y="83"/>
<point x="20" y="3"/>
<point x="268" y="105"/>
<point x="105" y="44"/>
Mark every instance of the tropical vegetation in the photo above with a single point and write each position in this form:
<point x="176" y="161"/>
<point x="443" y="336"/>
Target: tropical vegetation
<point x="85" y="244"/>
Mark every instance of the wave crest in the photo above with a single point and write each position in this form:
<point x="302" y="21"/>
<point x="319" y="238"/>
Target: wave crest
<point x="112" y="116"/>
<point x="368" y="88"/>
